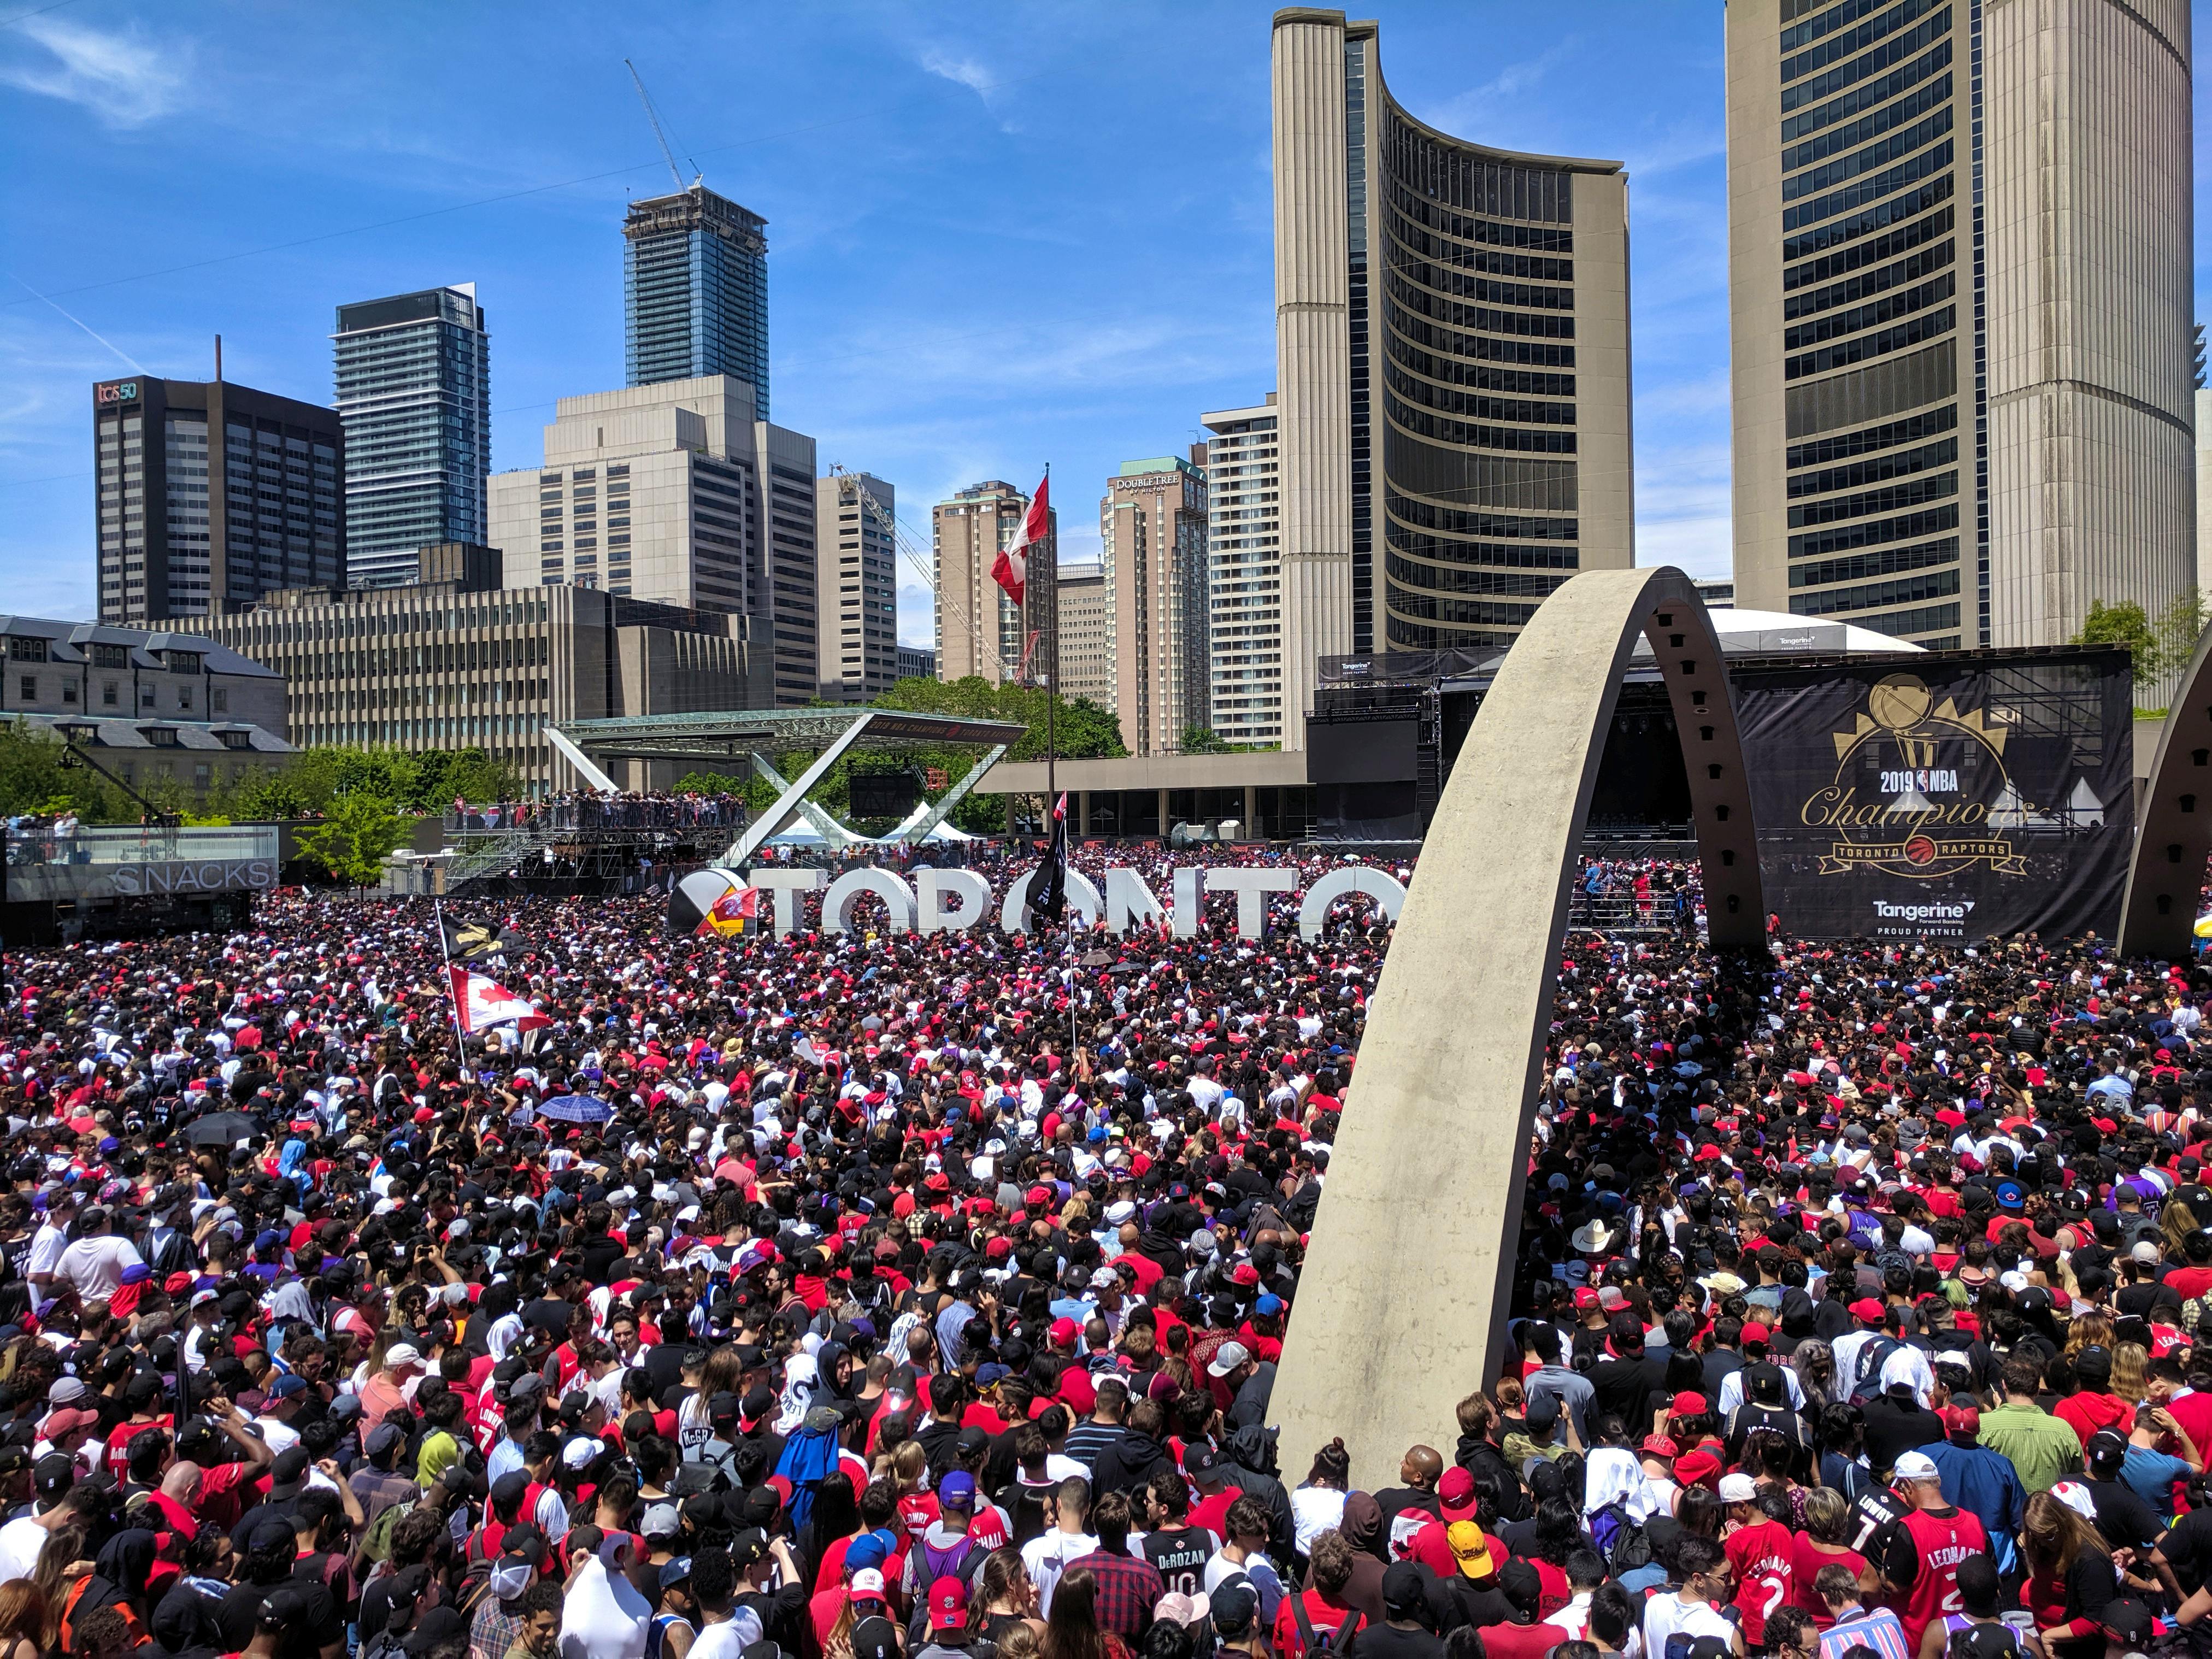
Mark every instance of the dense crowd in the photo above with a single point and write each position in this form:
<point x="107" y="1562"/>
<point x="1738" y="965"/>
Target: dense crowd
<point x="920" y="1297"/>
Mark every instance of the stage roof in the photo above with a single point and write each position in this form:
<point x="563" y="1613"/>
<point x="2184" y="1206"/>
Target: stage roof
<point x="731" y="734"/>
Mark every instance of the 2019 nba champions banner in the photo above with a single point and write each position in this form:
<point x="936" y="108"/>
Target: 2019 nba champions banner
<point x="1948" y="801"/>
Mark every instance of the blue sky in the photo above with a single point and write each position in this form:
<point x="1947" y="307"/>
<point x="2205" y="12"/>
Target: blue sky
<point x="1001" y="234"/>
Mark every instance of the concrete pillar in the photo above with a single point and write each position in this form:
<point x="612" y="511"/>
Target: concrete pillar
<point x="1251" y="805"/>
<point x="1163" y="815"/>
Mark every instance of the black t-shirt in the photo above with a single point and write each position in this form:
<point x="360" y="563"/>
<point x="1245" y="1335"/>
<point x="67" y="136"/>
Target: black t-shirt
<point x="600" y="1255"/>
<point x="1895" y="1424"/>
<point x="664" y="1363"/>
<point x="550" y="1314"/>
<point x="2126" y="1521"/>
<point x="324" y="1628"/>
<point x="1388" y="1642"/>
<point x="2187" y="1548"/>
<point x="1402" y="1500"/>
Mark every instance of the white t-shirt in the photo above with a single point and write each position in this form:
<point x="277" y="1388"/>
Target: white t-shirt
<point x="1257" y="1568"/>
<point x="729" y="1638"/>
<point x="20" y="1544"/>
<point x="1047" y="1556"/>
<point x="96" y="1265"/>
<point x="1666" y="1612"/>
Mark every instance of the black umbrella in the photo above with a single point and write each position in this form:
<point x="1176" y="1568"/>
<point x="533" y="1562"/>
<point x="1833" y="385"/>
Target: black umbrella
<point x="221" y="1128"/>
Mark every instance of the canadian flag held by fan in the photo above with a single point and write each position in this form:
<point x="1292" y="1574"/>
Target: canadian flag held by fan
<point x="484" y="1003"/>
<point x="1010" y="569"/>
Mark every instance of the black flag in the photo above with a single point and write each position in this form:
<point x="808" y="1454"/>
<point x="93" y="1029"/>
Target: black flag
<point x="476" y="941"/>
<point x="1048" y="886"/>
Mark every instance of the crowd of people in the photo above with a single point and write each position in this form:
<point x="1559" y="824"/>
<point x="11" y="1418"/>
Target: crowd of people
<point x="912" y="1298"/>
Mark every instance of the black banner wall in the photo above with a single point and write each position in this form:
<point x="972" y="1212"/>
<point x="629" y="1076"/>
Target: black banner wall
<point x="1951" y="800"/>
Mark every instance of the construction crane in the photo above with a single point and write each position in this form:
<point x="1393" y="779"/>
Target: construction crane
<point x="908" y="547"/>
<point x="653" y="116"/>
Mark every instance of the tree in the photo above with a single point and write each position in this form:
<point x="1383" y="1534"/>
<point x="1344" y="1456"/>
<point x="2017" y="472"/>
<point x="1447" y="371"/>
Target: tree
<point x="710" y="783"/>
<point x="353" y="840"/>
<point x="2124" y="625"/>
<point x="1203" y="740"/>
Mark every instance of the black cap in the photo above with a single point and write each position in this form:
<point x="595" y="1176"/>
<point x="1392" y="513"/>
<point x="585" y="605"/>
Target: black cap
<point x="286" y="1607"/>
<point x="2128" y="1619"/>
<point x="747" y="1548"/>
<point x="1404" y="1589"/>
<point x="875" y="1638"/>
<point x="54" y="1474"/>
<point x="1236" y="1604"/>
<point x="439" y="1625"/>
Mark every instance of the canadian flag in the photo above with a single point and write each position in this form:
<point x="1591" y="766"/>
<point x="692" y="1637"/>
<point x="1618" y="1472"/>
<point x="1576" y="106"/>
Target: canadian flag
<point x="1010" y="569"/>
<point x="484" y="1003"/>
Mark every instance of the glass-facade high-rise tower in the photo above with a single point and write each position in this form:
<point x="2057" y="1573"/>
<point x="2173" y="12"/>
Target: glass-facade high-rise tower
<point x="1959" y="296"/>
<point x="414" y="388"/>
<point x="694" y="292"/>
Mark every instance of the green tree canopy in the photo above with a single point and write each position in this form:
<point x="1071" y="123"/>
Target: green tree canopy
<point x="353" y="838"/>
<point x="2159" y="646"/>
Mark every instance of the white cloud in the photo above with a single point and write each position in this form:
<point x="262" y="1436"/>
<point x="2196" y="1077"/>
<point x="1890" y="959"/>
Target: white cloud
<point x="1682" y="507"/>
<point x="961" y="71"/>
<point x="121" y="76"/>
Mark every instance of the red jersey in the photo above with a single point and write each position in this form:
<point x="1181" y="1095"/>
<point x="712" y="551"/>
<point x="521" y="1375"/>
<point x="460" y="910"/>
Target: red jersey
<point x="1764" y="1554"/>
<point x="1805" y="1563"/>
<point x="1942" y="1542"/>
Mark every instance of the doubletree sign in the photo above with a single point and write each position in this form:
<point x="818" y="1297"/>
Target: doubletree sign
<point x="115" y="391"/>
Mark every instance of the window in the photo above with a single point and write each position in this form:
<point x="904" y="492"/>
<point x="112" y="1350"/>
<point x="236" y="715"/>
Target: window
<point x="201" y="775"/>
<point x="219" y="700"/>
<point x="182" y="662"/>
<point x="184" y="697"/>
<point x="30" y="688"/>
<point x="109" y="693"/>
<point x="69" y="692"/>
<point x="161" y="737"/>
<point x="236" y="739"/>
<point x="25" y="647"/>
<point x="146" y="696"/>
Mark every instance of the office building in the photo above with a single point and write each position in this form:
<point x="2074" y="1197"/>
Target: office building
<point x="457" y="660"/>
<point x="916" y="663"/>
<point x="1086" y="663"/>
<point x="1960" y="273"/>
<point x="1152" y="528"/>
<point x="1718" y="595"/>
<point x="414" y="388"/>
<point x="674" y="493"/>
<point x="980" y="629"/>
<point x="210" y="494"/>
<point x="2204" y="441"/>
<point x="1244" y="574"/>
<point x="694" y="292"/>
<point x="1451" y="351"/>
<point x="154" y="708"/>
<point x="856" y="586"/>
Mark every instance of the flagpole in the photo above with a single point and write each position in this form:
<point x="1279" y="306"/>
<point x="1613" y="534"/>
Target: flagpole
<point x="460" y="1039"/>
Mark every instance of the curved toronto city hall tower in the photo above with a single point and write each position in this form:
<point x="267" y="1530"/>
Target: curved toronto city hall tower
<point x="1960" y="268"/>
<point x="1451" y="342"/>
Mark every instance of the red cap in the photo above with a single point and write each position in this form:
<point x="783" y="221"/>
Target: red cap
<point x="1037" y="1198"/>
<point x="1585" y="1298"/>
<point x="1755" y="1332"/>
<point x="1867" y="1310"/>
<point x="948" y="1604"/>
<point x="1688" y="1404"/>
<point x="1244" y="1273"/>
<point x="1696" y="1467"/>
<point x="999" y="1248"/>
<point x="1658" y="1445"/>
<point x="1961" y="1419"/>
<point x="1063" y="1330"/>
<point x="1456" y="1494"/>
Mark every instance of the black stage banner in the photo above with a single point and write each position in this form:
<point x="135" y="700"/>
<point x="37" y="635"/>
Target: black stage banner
<point x="1951" y="800"/>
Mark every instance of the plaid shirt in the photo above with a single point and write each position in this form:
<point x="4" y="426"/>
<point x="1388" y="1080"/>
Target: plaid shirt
<point x="1128" y="1589"/>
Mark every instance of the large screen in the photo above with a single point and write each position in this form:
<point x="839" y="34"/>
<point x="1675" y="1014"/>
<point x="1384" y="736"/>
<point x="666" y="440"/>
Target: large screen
<point x="1949" y="800"/>
<point x="1363" y="752"/>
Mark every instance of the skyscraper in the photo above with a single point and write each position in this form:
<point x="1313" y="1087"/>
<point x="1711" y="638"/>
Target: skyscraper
<point x="1086" y="660"/>
<point x="1451" y="350"/>
<point x="980" y="629"/>
<point x="1244" y="574"/>
<point x="674" y="493"/>
<point x="695" y="291"/>
<point x="1960" y="271"/>
<point x="1152" y="528"/>
<point x="856" y="585"/>
<point x="414" y="388"/>
<point x="212" y="494"/>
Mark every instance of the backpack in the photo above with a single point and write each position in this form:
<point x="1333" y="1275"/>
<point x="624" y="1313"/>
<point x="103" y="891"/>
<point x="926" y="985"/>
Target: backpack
<point x="1872" y="1358"/>
<point x="377" y="1546"/>
<point x="1623" y="1544"/>
<point x="1337" y="1639"/>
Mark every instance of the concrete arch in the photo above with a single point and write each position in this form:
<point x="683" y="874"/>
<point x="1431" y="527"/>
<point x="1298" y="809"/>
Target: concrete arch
<point x="1402" y="1303"/>
<point x="2165" y="871"/>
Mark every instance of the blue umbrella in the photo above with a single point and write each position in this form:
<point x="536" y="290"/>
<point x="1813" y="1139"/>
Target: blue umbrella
<point x="577" y="1108"/>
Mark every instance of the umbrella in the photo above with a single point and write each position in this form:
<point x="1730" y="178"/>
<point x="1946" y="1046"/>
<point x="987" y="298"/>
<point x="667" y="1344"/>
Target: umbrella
<point x="576" y="1108"/>
<point x="220" y="1128"/>
<point x="1096" y="958"/>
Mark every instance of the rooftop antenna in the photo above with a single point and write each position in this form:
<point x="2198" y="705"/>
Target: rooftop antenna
<point x="653" y="116"/>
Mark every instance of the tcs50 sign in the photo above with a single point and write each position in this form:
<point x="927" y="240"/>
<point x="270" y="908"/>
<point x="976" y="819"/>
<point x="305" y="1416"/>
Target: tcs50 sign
<point x="115" y="391"/>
